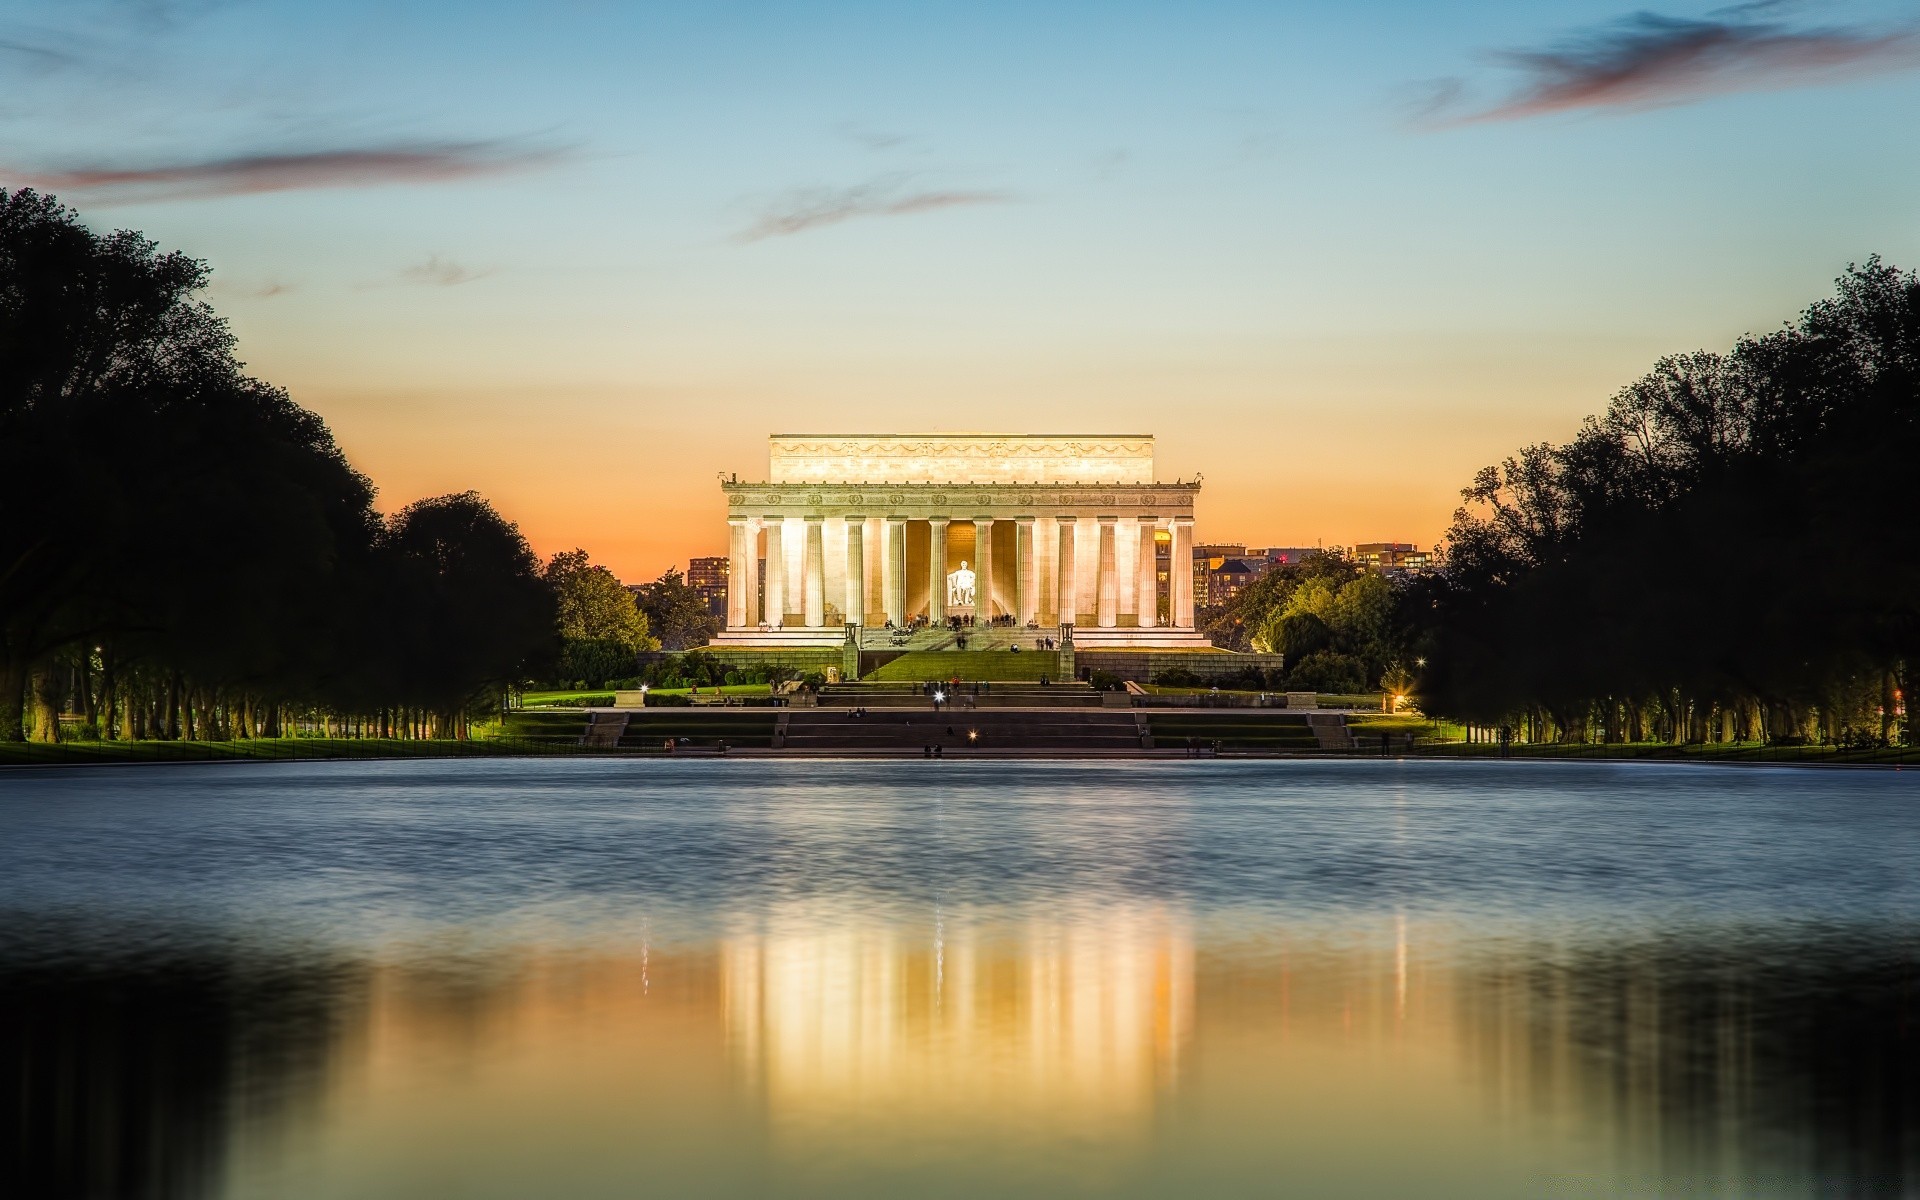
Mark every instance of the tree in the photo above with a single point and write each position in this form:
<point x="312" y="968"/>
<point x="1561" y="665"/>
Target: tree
<point x="1728" y="551"/>
<point x="472" y="613"/>
<point x="593" y="604"/>
<point x="677" y="613"/>
<point x="160" y="504"/>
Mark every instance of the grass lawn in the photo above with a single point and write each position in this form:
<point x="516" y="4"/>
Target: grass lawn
<point x="991" y="666"/>
<point x="1399" y="723"/>
<point x="604" y="698"/>
<point x="272" y="750"/>
<point x="566" y="699"/>
<point x="1706" y="753"/>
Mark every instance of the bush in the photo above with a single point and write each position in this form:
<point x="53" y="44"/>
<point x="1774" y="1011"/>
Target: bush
<point x="1179" y="677"/>
<point x="590" y="662"/>
<point x="1106" y="681"/>
<point x="1328" y="671"/>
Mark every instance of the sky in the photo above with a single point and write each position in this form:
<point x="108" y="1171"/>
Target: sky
<point x="584" y="256"/>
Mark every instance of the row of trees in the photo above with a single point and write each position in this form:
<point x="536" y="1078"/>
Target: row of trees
<point x="1730" y="552"/>
<point x="1342" y="628"/>
<point x="606" y="627"/>
<point x="185" y="552"/>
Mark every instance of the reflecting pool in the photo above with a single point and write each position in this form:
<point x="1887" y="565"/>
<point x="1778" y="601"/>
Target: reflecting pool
<point x="604" y="978"/>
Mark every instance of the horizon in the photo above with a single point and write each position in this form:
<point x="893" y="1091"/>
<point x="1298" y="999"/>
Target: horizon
<point x="1339" y="261"/>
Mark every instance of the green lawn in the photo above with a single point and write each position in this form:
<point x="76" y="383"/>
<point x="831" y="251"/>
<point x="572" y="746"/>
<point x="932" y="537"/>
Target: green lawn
<point x="275" y="749"/>
<point x="992" y="666"/>
<point x="1405" y="722"/>
<point x="566" y="699"/>
<point x="1662" y="751"/>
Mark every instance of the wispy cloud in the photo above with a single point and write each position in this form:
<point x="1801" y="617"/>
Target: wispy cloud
<point x="1647" y="60"/>
<point x="256" y="291"/>
<point x="873" y="139"/>
<point x="442" y="272"/>
<point x="45" y="58"/>
<point x="815" y="208"/>
<point x="251" y="174"/>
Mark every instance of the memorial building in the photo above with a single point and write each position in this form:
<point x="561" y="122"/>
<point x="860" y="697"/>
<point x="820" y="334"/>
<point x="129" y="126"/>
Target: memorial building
<point x="987" y="537"/>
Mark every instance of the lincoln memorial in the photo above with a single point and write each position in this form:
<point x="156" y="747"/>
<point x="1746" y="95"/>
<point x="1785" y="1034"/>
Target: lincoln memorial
<point x="995" y="533"/>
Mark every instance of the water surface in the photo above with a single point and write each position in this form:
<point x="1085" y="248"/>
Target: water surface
<point x="512" y="978"/>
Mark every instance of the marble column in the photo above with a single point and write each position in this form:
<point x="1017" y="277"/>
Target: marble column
<point x="1025" y="586"/>
<point x="983" y="569"/>
<point x="776" y="572"/>
<point x="856" y="603"/>
<point x="897" y="570"/>
<point x="1146" y="592"/>
<point x="1107" y="589"/>
<point x="1180" y="574"/>
<point x="738" y="598"/>
<point x="1067" y="594"/>
<point x="814" y="575"/>
<point x="750" y="593"/>
<point x="937" y="570"/>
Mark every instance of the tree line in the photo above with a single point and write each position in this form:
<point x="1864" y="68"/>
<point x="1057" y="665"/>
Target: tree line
<point x="1731" y="552"/>
<point x="185" y="553"/>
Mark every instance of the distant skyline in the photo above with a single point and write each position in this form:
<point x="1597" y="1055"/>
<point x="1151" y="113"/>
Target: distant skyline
<point x="583" y="257"/>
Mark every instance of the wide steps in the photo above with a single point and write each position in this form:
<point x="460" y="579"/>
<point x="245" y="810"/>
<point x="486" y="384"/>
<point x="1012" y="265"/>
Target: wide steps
<point x="649" y="728"/>
<point x="990" y="665"/>
<point x="1244" y="729"/>
<point x="896" y="730"/>
<point x="1071" y="695"/>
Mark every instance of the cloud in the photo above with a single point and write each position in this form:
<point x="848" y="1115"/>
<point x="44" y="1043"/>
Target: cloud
<point x="44" y="58"/>
<point x="261" y="291"/>
<point x="1647" y="60"/>
<point x="252" y="174"/>
<point x="873" y="139"/>
<point x="815" y="208"/>
<point x="441" y="272"/>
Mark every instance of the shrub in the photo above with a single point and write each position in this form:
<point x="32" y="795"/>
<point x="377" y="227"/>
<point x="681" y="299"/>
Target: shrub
<point x="1328" y="671"/>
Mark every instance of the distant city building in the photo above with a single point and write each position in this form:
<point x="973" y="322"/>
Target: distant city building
<point x="1206" y="559"/>
<point x="1228" y="577"/>
<point x="1285" y="556"/>
<point x="1392" y="556"/>
<point x="708" y="576"/>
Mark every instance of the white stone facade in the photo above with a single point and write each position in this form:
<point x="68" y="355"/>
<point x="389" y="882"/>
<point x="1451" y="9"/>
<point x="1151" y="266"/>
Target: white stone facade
<point x="865" y="530"/>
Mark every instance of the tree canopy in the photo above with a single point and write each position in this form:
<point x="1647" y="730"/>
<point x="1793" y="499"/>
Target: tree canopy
<point x="1729" y="548"/>
<point x="592" y="603"/>
<point x="184" y="551"/>
<point x="677" y="612"/>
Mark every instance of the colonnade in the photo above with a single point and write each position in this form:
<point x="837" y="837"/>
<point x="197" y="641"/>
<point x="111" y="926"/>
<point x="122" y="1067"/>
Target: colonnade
<point x="1067" y="569"/>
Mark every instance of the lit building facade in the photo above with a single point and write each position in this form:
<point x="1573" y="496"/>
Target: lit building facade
<point x="708" y="576"/>
<point x="888" y="529"/>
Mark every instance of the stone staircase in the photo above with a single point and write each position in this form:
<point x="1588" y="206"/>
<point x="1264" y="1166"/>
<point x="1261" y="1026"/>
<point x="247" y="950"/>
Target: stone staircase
<point x="900" y="730"/>
<point x="1330" y="729"/>
<point x="1072" y="695"/>
<point x="604" y="730"/>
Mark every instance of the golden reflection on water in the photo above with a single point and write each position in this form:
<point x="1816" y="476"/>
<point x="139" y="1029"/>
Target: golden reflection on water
<point x="1049" y="1028"/>
<point x="1119" y="1050"/>
<point x="1095" y="1053"/>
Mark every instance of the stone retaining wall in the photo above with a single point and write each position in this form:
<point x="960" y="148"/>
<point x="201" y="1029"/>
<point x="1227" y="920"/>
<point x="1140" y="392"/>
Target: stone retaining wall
<point x="1143" y="665"/>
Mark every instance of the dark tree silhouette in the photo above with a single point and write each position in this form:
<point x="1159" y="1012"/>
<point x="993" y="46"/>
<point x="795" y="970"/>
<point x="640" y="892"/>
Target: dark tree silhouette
<point x="185" y="552"/>
<point x="1729" y="553"/>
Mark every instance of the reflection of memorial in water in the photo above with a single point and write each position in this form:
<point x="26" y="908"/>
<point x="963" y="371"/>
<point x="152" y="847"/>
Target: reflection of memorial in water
<point x="991" y="1048"/>
<point x="1042" y="1023"/>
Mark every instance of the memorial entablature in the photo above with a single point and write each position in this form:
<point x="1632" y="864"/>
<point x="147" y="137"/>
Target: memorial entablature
<point x="966" y="530"/>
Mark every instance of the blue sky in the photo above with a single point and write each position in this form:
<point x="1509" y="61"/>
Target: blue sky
<point x="1337" y="257"/>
